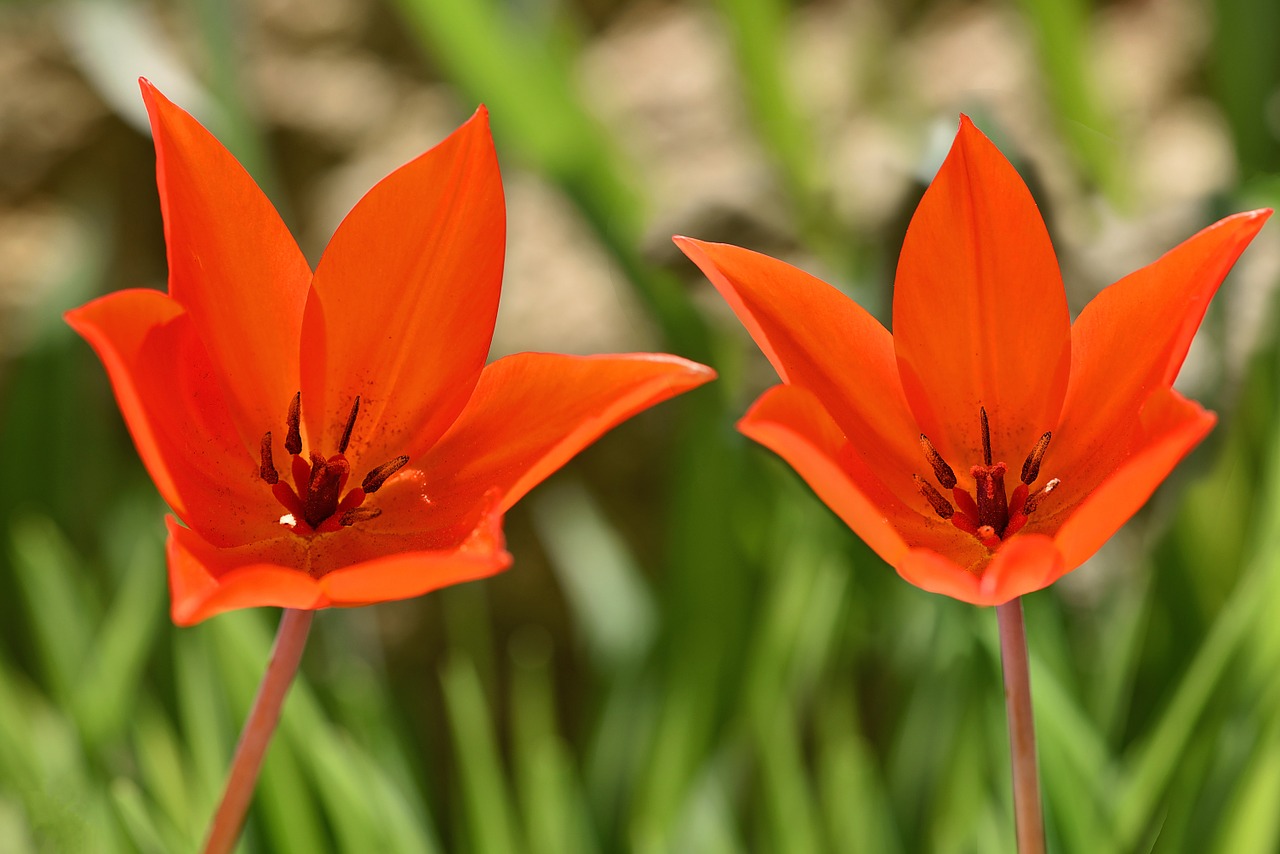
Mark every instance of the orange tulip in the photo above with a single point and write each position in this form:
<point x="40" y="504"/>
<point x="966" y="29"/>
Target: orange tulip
<point x="989" y="445"/>
<point x="335" y="438"/>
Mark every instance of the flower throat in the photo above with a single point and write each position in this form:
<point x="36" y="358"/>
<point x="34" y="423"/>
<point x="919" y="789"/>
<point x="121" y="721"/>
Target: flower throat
<point x="989" y="514"/>
<point x="315" y="501"/>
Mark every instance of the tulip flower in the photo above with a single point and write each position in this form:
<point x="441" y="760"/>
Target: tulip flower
<point x="989" y="445"/>
<point x="335" y="438"/>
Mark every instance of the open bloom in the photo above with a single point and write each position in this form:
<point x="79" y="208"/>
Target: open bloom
<point x="335" y="438"/>
<point x="989" y="445"/>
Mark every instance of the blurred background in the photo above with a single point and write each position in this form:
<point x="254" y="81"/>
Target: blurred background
<point x="691" y="654"/>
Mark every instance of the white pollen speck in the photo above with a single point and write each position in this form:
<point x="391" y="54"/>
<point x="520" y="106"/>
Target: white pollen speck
<point x="288" y="521"/>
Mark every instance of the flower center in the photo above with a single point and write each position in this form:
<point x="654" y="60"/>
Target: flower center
<point x="989" y="514"/>
<point x="314" y="501"/>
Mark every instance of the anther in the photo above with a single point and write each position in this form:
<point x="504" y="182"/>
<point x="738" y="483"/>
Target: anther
<point x="1034" y="499"/>
<point x="986" y="435"/>
<point x="358" y="514"/>
<point x="267" y="471"/>
<point x="351" y="423"/>
<point x="940" y="505"/>
<point x="293" y="441"/>
<point x="373" y="480"/>
<point x="944" y="473"/>
<point x="1031" y="468"/>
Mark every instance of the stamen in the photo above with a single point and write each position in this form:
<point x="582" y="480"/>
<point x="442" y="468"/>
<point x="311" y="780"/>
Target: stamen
<point x="986" y="436"/>
<point x="359" y="514"/>
<point x="944" y="473"/>
<point x="293" y="441"/>
<point x="373" y="480"/>
<point x="940" y="505"/>
<point x="267" y="471"/>
<point x="351" y="422"/>
<point x="1031" y="468"/>
<point x="1034" y="500"/>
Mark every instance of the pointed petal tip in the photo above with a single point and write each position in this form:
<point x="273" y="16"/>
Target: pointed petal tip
<point x="480" y="116"/>
<point x="689" y="245"/>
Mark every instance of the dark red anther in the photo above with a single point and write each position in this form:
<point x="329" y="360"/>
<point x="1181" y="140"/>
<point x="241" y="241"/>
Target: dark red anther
<point x="986" y="435"/>
<point x="374" y="480"/>
<point x="267" y="470"/>
<point x="1031" y="468"/>
<point x="1033" y="501"/>
<point x="940" y="505"/>
<point x="293" y="441"/>
<point x="944" y="473"/>
<point x="358" y="514"/>
<point x="351" y="423"/>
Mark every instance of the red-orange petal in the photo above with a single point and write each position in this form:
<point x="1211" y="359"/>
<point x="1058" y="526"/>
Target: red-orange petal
<point x="1130" y="340"/>
<point x="979" y="313"/>
<point x="530" y="414"/>
<point x="1171" y="426"/>
<point x="402" y="307"/>
<point x="232" y="265"/>
<point x="205" y="580"/>
<point x="819" y="339"/>
<point x="403" y="575"/>
<point x="174" y="408"/>
<point x="1024" y="564"/>
<point x="791" y="422"/>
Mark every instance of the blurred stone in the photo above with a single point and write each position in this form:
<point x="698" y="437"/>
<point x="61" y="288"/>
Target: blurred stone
<point x="663" y="80"/>
<point x="46" y="109"/>
<point x="336" y="95"/>
<point x="1183" y="154"/>
<point x="40" y="247"/>
<point x="1147" y="53"/>
<point x="562" y="290"/>
<point x="313" y="20"/>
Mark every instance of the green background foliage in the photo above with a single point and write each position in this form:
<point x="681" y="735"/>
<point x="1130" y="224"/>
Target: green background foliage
<point x="691" y="653"/>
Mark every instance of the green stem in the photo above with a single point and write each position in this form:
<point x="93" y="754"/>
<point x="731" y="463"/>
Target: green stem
<point x="1022" y="735"/>
<point x="291" y="637"/>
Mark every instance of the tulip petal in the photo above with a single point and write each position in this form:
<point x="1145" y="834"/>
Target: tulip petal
<point x="1024" y="564"/>
<point x="177" y="415"/>
<point x="402" y="307"/>
<point x="391" y="568"/>
<point x="1171" y="426"/>
<point x="819" y="339"/>
<point x="530" y="414"/>
<point x="205" y="580"/>
<point x="979" y="313"/>
<point x="232" y="265"/>
<point x="791" y="422"/>
<point x="1131" y="339"/>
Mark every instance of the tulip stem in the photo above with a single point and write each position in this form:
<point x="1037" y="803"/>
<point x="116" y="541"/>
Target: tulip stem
<point x="1027" y="812"/>
<point x="286" y="652"/>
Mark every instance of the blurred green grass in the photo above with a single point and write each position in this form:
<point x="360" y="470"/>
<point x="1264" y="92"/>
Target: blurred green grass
<point x="691" y="654"/>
